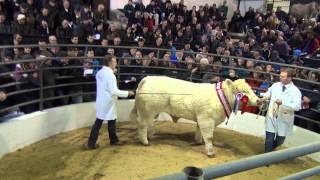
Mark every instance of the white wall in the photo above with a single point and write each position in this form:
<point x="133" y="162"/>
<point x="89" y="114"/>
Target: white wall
<point x="232" y="4"/>
<point x="28" y="129"/>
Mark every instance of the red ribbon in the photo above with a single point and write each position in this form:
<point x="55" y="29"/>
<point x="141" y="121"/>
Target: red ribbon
<point x="244" y="101"/>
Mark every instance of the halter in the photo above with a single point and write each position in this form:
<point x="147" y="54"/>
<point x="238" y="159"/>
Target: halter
<point x="239" y="97"/>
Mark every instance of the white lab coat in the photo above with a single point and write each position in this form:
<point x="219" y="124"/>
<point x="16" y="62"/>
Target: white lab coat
<point x="280" y="119"/>
<point x="107" y="94"/>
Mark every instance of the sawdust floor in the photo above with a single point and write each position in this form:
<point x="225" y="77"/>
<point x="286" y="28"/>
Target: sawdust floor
<point x="61" y="157"/>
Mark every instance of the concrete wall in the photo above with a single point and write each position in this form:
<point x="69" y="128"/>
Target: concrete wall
<point x="25" y="130"/>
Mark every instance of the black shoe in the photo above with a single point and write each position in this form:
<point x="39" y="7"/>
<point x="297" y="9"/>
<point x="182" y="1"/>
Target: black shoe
<point x="87" y="147"/>
<point x="117" y="143"/>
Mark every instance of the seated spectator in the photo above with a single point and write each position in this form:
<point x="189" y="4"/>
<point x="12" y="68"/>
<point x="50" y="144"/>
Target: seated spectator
<point x="254" y="79"/>
<point x="21" y="26"/>
<point x="189" y="66"/>
<point x="100" y="31"/>
<point x="213" y="74"/>
<point x="241" y="73"/>
<point x="102" y="51"/>
<point x="276" y="58"/>
<point x="91" y="66"/>
<point x="144" y="70"/>
<point x="232" y="74"/>
<point x="138" y="59"/>
<point x="296" y="58"/>
<point x="310" y="106"/>
<point x="310" y="44"/>
<point x="199" y="71"/>
<point x="127" y="80"/>
<point x="296" y="40"/>
<point x="128" y="36"/>
<point x="43" y="28"/>
<point x="9" y="114"/>
<point x="4" y="26"/>
<point x="118" y="52"/>
<point x="265" y="51"/>
<point x="282" y="47"/>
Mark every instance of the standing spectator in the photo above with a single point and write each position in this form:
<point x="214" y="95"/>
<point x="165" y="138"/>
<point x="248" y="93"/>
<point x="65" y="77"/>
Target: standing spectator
<point x="99" y="16"/>
<point x="129" y="12"/>
<point x="139" y="6"/>
<point x="53" y="10"/>
<point x="86" y="17"/>
<point x="66" y="12"/>
<point x="236" y="22"/>
<point x="224" y="9"/>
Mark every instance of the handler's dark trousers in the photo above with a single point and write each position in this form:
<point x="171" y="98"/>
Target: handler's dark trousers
<point x="95" y="132"/>
<point x="272" y="142"/>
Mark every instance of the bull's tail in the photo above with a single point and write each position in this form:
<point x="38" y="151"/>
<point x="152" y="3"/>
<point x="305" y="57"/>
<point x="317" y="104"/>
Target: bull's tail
<point x="134" y="114"/>
<point x="140" y="85"/>
<point x="134" y="111"/>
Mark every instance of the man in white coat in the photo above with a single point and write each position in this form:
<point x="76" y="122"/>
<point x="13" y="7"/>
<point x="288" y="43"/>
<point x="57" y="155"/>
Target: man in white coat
<point x="285" y="98"/>
<point x="107" y="95"/>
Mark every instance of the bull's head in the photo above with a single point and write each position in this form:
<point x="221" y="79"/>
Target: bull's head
<point x="243" y="87"/>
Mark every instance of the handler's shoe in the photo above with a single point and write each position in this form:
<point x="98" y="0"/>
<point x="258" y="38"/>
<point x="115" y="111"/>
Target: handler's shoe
<point x="118" y="143"/>
<point x="87" y="147"/>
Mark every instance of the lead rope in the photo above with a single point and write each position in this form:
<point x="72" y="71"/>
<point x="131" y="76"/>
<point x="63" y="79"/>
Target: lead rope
<point x="263" y="108"/>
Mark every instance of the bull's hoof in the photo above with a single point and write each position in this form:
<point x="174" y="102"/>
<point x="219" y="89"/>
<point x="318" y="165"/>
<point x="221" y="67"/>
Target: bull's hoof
<point x="211" y="155"/>
<point x="147" y="144"/>
<point x="196" y="144"/>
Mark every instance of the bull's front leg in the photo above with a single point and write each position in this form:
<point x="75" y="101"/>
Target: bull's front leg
<point x="198" y="136"/>
<point x="206" y="126"/>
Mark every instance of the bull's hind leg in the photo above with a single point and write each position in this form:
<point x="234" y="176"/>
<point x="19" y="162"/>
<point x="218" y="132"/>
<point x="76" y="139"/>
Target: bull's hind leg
<point x="206" y="126"/>
<point x="150" y="130"/>
<point x="198" y="136"/>
<point x="142" y="128"/>
<point x="145" y="121"/>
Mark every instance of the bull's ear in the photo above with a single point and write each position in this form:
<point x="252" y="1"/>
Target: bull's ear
<point x="229" y="82"/>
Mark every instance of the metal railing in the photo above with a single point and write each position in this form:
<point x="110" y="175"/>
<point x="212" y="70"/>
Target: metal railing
<point x="251" y="162"/>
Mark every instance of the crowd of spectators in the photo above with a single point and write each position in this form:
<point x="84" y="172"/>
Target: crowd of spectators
<point x="187" y="34"/>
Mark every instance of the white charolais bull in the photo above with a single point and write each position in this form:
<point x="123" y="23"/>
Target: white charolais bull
<point x="183" y="99"/>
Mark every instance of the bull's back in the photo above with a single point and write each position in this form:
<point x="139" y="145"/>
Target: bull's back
<point x="163" y="84"/>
